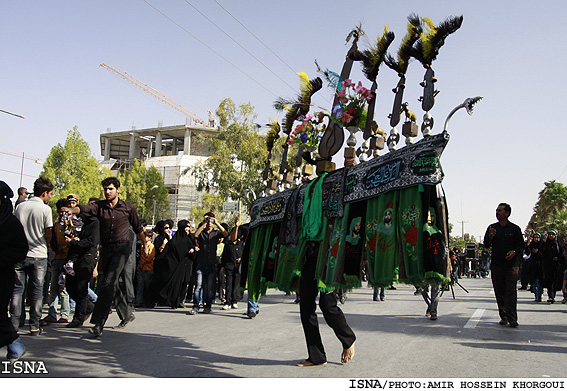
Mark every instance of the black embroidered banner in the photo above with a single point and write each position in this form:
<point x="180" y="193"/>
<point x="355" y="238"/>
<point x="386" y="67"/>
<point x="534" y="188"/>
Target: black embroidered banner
<point x="411" y="165"/>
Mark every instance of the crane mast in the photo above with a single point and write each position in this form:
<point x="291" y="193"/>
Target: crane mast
<point x="155" y="93"/>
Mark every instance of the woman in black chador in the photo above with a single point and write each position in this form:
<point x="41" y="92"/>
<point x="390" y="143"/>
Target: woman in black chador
<point x="13" y="249"/>
<point x="553" y="266"/>
<point x="179" y="254"/>
<point x="534" y="265"/>
<point x="161" y="267"/>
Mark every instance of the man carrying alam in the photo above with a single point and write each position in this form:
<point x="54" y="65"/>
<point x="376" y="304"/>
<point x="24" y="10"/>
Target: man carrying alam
<point x="507" y="243"/>
<point x="115" y="217"/>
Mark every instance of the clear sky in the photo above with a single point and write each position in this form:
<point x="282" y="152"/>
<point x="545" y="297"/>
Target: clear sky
<point x="509" y="52"/>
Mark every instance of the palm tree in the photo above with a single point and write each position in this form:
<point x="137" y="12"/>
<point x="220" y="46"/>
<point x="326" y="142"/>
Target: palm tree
<point x="550" y="210"/>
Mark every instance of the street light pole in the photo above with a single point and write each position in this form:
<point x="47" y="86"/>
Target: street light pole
<point x="154" y="198"/>
<point x="154" y="215"/>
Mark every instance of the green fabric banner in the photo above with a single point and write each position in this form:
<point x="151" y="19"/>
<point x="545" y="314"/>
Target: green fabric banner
<point x="260" y="249"/>
<point x="289" y="265"/>
<point x="382" y="239"/>
<point x="411" y="219"/>
<point x="331" y="262"/>
<point x="312" y="218"/>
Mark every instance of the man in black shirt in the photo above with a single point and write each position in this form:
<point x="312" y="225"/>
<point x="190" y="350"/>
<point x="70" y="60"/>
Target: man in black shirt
<point x="230" y="262"/>
<point x="115" y="217"/>
<point x="507" y="244"/>
<point x="208" y="238"/>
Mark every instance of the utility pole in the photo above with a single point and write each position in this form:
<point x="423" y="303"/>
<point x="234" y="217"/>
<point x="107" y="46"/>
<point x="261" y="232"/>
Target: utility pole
<point x="462" y="229"/>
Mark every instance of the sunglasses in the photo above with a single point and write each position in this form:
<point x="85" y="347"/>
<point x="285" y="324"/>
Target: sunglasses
<point x="166" y="228"/>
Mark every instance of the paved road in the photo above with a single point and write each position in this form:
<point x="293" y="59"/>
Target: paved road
<point x="394" y="339"/>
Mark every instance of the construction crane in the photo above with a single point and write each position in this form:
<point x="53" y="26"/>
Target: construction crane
<point x="158" y="95"/>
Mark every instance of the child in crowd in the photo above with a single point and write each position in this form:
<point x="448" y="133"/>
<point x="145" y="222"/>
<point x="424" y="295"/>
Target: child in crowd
<point x="145" y="269"/>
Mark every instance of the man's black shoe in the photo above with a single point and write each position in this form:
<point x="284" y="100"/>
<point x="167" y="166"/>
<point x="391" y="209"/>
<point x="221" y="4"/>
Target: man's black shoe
<point x="503" y="322"/>
<point x="513" y="324"/>
<point x="74" y="324"/>
<point x="124" y="322"/>
<point x="251" y="314"/>
<point x="96" y="330"/>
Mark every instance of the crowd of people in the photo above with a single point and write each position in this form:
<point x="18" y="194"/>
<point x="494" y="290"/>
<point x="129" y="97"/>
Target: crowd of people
<point x="545" y="266"/>
<point x="542" y="267"/>
<point x="101" y="256"/>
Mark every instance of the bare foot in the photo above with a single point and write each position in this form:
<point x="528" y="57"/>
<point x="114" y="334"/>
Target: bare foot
<point x="348" y="354"/>
<point x="307" y="363"/>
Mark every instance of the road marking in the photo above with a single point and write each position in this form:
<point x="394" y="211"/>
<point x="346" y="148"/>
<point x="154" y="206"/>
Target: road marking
<point x="471" y="324"/>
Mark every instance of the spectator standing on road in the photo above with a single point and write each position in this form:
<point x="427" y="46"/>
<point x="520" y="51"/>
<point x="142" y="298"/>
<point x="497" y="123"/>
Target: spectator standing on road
<point x="507" y="243"/>
<point x="553" y="266"/>
<point x="454" y="263"/>
<point x="57" y="292"/>
<point x="13" y="249"/>
<point x="145" y="270"/>
<point x="37" y="220"/>
<point x="535" y="264"/>
<point x="179" y="256"/>
<point x="161" y="266"/>
<point x="231" y="259"/>
<point x="221" y="281"/>
<point x="22" y="195"/>
<point x="115" y="217"/>
<point x="207" y="238"/>
<point x="82" y="255"/>
<point x="563" y="258"/>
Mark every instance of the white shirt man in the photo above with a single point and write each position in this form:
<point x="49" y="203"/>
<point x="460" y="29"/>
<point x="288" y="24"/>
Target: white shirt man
<point x="36" y="218"/>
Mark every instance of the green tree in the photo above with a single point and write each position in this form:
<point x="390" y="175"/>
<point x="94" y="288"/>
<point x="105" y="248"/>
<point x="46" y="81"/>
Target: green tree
<point x="73" y="169"/>
<point x="238" y="155"/>
<point x="144" y="188"/>
<point x="461" y="242"/>
<point x="212" y="203"/>
<point x="549" y="210"/>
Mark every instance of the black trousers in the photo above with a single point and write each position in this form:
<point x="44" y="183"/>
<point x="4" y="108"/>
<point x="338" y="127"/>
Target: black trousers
<point x="112" y="261"/>
<point x="231" y="274"/>
<point x="78" y="286"/>
<point x="327" y="302"/>
<point x="504" y="281"/>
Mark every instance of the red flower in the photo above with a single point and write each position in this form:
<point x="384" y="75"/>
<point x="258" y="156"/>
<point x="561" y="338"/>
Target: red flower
<point x="335" y="250"/>
<point x="411" y="236"/>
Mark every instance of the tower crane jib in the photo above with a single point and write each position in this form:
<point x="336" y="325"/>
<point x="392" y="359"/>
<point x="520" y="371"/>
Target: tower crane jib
<point x="155" y="93"/>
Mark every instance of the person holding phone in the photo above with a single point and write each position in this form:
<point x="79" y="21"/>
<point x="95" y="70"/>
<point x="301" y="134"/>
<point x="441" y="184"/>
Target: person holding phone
<point x="207" y="238"/>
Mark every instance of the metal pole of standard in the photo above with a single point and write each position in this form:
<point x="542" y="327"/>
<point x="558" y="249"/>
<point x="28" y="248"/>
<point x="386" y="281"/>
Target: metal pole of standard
<point x="22" y="169"/>
<point x="154" y="214"/>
